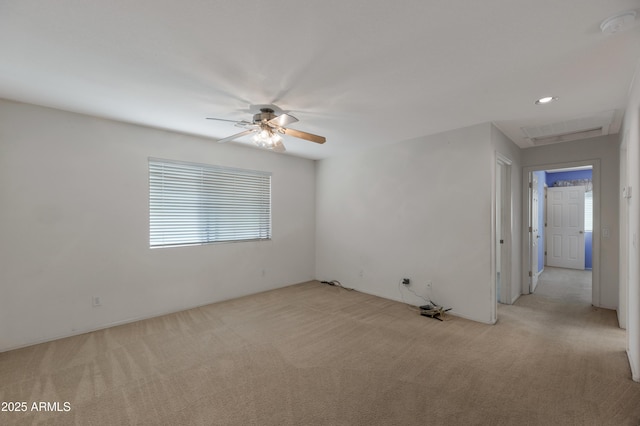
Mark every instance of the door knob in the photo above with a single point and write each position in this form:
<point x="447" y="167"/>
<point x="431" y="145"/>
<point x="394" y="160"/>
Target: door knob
<point x="582" y="232"/>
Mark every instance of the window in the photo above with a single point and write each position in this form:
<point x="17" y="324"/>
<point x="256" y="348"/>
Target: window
<point x="588" y="211"/>
<point x="192" y="204"/>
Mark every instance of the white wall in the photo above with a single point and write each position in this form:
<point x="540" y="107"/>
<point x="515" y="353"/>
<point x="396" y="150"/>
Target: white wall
<point x="631" y="133"/>
<point x="74" y="224"/>
<point x="419" y="209"/>
<point x="605" y="149"/>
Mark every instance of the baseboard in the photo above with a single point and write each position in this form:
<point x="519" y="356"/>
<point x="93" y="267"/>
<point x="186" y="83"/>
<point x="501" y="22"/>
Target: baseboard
<point x="515" y="298"/>
<point x="621" y="324"/>
<point x="452" y="312"/>
<point x="611" y="308"/>
<point x="131" y="320"/>
<point x="457" y="314"/>
<point x="635" y="375"/>
<point x="92" y="329"/>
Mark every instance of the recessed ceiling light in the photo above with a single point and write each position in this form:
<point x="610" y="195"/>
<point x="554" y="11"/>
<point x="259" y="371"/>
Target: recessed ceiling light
<point x="546" y="100"/>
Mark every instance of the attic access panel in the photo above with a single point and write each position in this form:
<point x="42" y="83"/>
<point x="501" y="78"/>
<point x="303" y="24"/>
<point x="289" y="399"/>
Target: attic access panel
<point x="570" y="130"/>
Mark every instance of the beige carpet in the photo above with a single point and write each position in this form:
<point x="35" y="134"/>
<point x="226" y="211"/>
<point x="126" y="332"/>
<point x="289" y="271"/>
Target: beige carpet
<point x="566" y="285"/>
<point x="312" y="354"/>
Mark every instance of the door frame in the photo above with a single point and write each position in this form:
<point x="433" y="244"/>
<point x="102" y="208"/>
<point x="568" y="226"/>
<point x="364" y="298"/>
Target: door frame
<point x="526" y="221"/>
<point x="623" y="265"/>
<point x="503" y="187"/>
<point x="535" y="211"/>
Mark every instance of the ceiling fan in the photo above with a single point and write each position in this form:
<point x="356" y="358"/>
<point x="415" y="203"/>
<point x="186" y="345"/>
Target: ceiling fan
<point x="268" y="128"/>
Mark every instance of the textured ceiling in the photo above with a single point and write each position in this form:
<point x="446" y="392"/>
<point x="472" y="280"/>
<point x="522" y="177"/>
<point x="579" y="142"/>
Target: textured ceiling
<point x="361" y="73"/>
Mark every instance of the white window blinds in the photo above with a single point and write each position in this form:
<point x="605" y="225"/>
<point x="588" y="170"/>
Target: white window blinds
<point x="191" y="204"/>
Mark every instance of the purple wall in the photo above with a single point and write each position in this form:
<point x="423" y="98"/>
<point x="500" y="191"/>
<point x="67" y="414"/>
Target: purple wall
<point x="588" y="250"/>
<point x="578" y="174"/>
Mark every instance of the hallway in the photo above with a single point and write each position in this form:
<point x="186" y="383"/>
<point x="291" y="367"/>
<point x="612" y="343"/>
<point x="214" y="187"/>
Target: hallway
<point x="565" y="285"/>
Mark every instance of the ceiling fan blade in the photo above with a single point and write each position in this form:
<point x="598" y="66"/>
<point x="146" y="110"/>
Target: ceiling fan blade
<point x="305" y="135"/>
<point x="246" y="124"/>
<point x="223" y="119"/>
<point x="242" y="123"/>
<point x="282" y="120"/>
<point x="236" y="136"/>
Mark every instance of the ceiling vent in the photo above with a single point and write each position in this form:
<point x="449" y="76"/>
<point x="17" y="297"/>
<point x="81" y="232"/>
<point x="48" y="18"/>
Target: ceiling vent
<point x="570" y="130"/>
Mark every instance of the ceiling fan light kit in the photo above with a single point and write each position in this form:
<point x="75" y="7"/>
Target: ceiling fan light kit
<point x="268" y="139"/>
<point x="268" y="128"/>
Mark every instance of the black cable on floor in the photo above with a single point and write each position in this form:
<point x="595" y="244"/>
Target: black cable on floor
<point x="336" y="283"/>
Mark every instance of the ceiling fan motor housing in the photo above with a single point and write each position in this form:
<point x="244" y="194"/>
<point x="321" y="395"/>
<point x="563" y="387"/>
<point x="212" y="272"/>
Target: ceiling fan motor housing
<point x="265" y="114"/>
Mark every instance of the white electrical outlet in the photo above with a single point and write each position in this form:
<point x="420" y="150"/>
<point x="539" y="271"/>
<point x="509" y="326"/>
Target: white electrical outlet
<point x="95" y="301"/>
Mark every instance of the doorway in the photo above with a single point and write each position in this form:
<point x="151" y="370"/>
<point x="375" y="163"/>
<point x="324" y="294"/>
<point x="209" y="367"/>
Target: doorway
<point x="552" y="246"/>
<point x="536" y="247"/>
<point x="502" y="234"/>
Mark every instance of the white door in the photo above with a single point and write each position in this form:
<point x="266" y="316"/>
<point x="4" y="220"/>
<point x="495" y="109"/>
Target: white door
<point x="499" y="237"/>
<point x="565" y="227"/>
<point x="502" y="219"/>
<point x="535" y="234"/>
